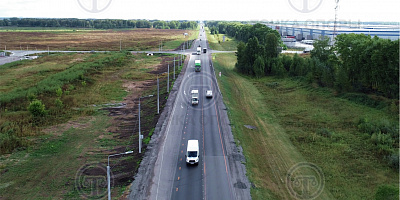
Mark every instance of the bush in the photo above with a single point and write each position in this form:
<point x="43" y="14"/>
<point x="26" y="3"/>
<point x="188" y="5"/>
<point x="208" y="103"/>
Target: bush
<point x="59" y="104"/>
<point x="387" y="192"/>
<point x="324" y="132"/>
<point x="393" y="160"/>
<point x="37" y="108"/>
<point x="59" y="92"/>
<point x="9" y="141"/>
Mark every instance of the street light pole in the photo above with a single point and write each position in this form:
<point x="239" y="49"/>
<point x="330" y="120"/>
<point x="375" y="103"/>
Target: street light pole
<point x="158" y="96"/>
<point x="140" y="135"/>
<point x="174" y="68"/>
<point x="168" y="80"/>
<point x="108" y="171"/>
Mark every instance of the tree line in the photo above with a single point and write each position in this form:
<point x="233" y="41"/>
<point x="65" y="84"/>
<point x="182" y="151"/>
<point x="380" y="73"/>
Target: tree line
<point x="242" y="32"/>
<point x="96" y="23"/>
<point x="355" y="63"/>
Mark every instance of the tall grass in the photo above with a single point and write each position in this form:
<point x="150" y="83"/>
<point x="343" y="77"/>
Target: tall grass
<point x="356" y="155"/>
<point x="52" y="83"/>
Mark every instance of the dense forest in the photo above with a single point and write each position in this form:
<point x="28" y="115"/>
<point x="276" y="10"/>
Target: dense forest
<point x="96" y="23"/>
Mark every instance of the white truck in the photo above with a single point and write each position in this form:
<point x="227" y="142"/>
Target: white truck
<point x="195" y="97"/>
<point x="192" y="152"/>
<point x="198" y="50"/>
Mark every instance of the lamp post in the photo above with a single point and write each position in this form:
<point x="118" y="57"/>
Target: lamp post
<point x="158" y="93"/>
<point x="140" y="135"/>
<point x="168" y="80"/>
<point x="108" y="171"/>
<point x="174" y="68"/>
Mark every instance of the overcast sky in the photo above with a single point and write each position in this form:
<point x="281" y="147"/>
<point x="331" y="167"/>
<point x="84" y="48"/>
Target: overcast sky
<point x="277" y="10"/>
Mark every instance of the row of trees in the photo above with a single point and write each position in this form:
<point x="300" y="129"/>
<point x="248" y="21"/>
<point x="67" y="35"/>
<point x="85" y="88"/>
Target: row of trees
<point x="242" y="32"/>
<point x="356" y="63"/>
<point x="96" y="23"/>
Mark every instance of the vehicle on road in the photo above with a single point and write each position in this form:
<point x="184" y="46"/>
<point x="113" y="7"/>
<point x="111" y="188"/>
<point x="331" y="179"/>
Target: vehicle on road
<point x="198" y="50"/>
<point x="209" y="94"/>
<point x="192" y="152"/>
<point x="197" y="65"/>
<point x="195" y="97"/>
<point x="204" y="50"/>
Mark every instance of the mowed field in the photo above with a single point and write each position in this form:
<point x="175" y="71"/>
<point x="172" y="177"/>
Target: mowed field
<point x="98" y="40"/>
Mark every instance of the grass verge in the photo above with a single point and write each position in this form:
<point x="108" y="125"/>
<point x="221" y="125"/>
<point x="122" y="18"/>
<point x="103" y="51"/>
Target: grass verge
<point x="82" y="134"/>
<point x="216" y="42"/>
<point x="292" y="120"/>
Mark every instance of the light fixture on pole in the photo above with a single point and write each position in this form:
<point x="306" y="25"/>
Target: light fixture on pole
<point x="168" y="80"/>
<point x="140" y="135"/>
<point x="158" y="93"/>
<point x="108" y="171"/>
<point x="174" y="68"/>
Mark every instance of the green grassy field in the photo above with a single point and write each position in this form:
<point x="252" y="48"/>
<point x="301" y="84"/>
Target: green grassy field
<point x="216" y="42"/>
<point x="46" y="163"/>
<point x="172" y="44"/>
<point x="291" y="118"/>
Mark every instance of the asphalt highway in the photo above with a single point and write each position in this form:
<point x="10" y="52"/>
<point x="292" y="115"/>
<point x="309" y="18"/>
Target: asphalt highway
<point x="212" y="177"/>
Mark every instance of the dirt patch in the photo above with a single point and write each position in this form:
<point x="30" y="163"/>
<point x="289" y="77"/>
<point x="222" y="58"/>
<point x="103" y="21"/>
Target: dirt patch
<point x="80" y="123"/>
<point x="137" y="39"/>
<point x="124" y="121"/>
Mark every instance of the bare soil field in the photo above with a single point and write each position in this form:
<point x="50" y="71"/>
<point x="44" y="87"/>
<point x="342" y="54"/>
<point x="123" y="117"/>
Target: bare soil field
<point x="99" y="40"/>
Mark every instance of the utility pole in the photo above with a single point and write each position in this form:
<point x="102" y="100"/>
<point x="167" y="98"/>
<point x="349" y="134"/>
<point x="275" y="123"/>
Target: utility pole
<point x="174" y="68"/>
<point x="140" y="135"/>
<point x="108" y="172"/>
<point x="168" y="80"/>
<point x="335" y="25"/>
<point x="158" y="96"/>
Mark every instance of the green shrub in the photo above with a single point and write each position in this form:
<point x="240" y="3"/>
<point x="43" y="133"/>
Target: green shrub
<point x="31" y="97"/>
<point x="37" y="108"/>
<point x="324" y="132"/>
<point x="387" y="192"/>
<point x="59" y="92"/>
<point x="393" y="160"/>
<point x="9" y="141"/>
<point x="59" y="104"/>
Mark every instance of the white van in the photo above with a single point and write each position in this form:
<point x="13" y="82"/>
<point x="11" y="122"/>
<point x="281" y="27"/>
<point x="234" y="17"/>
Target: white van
<point x="192" y="152"/>
<point x="195" y="97"/>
